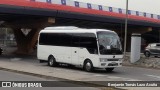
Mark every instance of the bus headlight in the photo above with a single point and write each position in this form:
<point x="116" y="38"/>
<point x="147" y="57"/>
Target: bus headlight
<point x="103" y="60"/>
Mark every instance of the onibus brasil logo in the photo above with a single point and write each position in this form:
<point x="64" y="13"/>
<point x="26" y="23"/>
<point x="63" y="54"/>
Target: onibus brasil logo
<point x="21" y="84"/>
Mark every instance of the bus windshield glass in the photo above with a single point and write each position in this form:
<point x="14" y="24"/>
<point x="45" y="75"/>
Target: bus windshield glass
<point x="109" y="43"/>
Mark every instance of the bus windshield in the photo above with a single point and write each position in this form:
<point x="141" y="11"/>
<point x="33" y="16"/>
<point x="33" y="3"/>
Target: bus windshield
<point x="109" y="43"/>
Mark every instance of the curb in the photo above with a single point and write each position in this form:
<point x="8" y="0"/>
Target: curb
<point x="102" y="87"/>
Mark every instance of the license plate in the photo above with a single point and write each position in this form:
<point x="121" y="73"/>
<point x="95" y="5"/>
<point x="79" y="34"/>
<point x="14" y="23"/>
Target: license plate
<point x="113" y="64"/>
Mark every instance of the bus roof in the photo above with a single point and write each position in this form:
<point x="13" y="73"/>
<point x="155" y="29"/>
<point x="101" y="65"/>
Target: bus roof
<point x="72" y="29"/>
<point x="61" y="28"/>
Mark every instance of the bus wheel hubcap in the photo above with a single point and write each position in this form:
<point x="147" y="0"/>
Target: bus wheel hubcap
<point x="88" y="66"/>
<point x="51" y="61"/>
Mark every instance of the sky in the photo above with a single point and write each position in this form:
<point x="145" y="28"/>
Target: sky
<point x="149" y="6"/>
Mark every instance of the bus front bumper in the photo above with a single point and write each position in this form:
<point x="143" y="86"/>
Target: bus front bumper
<point x="110" y="64"/>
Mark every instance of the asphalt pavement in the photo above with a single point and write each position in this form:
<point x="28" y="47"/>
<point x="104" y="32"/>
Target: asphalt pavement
<point x="125" y="73"/>
<point x="14" y="77"/>
<point x="32" y="66"/>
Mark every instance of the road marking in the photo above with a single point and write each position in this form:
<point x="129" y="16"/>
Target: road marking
<point x="114" y="77"/>
<point x="133" y="80"/>
<point x="15" y="59"/>
<point x="122" y="78"/>
<point x="99" y="75"/>
<point x="153" y="76"/>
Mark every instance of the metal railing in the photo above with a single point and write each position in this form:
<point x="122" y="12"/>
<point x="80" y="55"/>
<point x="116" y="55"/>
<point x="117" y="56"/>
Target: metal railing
<point x="99" y="7"/>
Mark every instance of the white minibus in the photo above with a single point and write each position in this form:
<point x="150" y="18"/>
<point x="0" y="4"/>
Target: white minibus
<point x="89" y="48"/>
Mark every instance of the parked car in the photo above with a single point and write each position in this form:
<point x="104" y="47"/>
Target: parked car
<point x="152" y="49"/>
<point x="1" y="51"/>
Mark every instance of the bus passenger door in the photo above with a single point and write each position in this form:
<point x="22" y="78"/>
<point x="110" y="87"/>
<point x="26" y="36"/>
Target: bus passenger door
<point x="75" y="55"/>
<point x="75" y="49"/>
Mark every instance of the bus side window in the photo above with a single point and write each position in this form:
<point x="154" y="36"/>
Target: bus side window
<point x="75" y="40"/>
<point x="88" y="40"/>
<point x="64" y="39"/>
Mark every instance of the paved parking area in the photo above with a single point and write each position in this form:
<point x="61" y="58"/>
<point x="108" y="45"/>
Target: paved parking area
<point x="30" y="64"/>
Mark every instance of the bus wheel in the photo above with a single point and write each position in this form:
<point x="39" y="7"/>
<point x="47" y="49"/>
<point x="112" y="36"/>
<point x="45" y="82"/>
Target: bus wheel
<point x="52" y="61"/>
<point x="88" y="66"/>
<point x="1" y="51"/>
<point x="109" y="69"/>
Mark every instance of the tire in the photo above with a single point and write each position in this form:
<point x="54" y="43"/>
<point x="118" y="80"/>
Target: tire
<point x="155" y="56"/>
<point x="147" y="54"/>
<point x="88" y="66"/>
<point x="52" y="61"/>
<point x="1" y="51"/>
<point x="109" y="69"/>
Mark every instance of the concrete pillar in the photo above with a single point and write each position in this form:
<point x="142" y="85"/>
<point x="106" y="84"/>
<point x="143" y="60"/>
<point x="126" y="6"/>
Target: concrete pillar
<point x="25" y="43"/>
<point x="135" y="47"/>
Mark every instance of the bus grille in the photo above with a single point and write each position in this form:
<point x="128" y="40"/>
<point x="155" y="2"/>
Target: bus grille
<point x="112" y="59"/>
